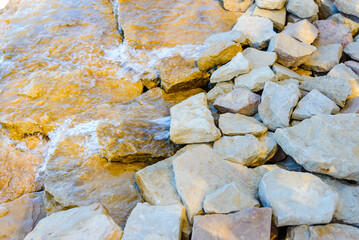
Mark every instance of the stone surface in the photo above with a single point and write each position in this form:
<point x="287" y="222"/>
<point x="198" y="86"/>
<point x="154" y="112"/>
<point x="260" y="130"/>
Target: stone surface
<point x="329" y="231"/>
<point x="326" y="8"/>
<point x="246" y="150"/>
<point x="238" y="124"/>
<point x="302" y="9"/>
<point x="325" y="58"/>
<point x="351" y="22"/>
<point x="291" y="18"/>
<point x="303" y="31"/>
<point x="255" y="79"/>
<point x="278" y="17"/>
<point x="252" y="223"/>
<point x="257" y="30"/>
<point x="220" y="89"/>
<point x="259" y="58"/>
<point x="341" y="70"/>
<point x="237" y="5"/>
<point x="238" y="65"/>
<point x="284" y="73"/>
<point x="232" y="36"/>
<point x="92" y="222"/>
<point x="239" y="100"/>
<point x="352" y="49"/>
<point x="353" y="65"/>
<point x="155" y="222"/>
<point x="325" y="144"/>
<point x="347" y="6"/>
<point x="19" y="217"/>
<point x="271" y="4"/>
<point x="297" y="198"/>
<point x="290" y="52"/>
<point x="351" y="106"/>
<point x="336" y="88"/>
<point x="277" y="104"/>
<point x="191" y="122"/>
<point x="314" y="103"/>
<point x="332" y="33"/>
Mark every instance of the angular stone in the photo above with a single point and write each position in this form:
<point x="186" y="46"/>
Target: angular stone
<point x="278" y="17"/>
<point x="290" y="52"/>
<point x="325" y="58"/>
<point x="297" y="198"/>
<point x="329" y="231"/>
<point x="237" y="5"/>
<point x="336" y="88"/>
<point x="302" y="9"/>
<point x="325" y="144"/>
<point x="155" y="222"/>
<point x="348" y="6"/>
<point x="238" y="124"/>
<point x="19" y="217"/>
<point x="191" y="122"/>
<point x="220" y="89"/>
<point x="217" y="54"/>
<point x="326" y="8"/>
<point x="255" y="79"/>
<point x="257" y="30"/>
<point x="232" y="36"/>
<point x="251" y="223"/>
<point x="314" y="103"/>
<point x="350" y="22"/>
<point x="240" y="100"/>
<point x="352" y="49"/>
<point x="284" y="73"/>
<point x="341" y="70"/>
<point x="277" y="104"/>
<point x="303" y="31"/>
<point x="259" y="58"/>
<point x="353" y="65"/>
<point x="351" y="106"/>
<point x="291" y="18"/>
<point x="91" y="221"/>
<point x="270" y="4"/>
<point x="238" y="65"/>
<point x="332" y="33"/>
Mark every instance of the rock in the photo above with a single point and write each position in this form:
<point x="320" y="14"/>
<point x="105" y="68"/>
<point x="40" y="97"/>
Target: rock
<point x="277" y="104"/>
<point x="238" y="124"/>
<point x="278" y="17"/>
<point x="353" y="65"/>
<point x="302" y="9"/>
<point x="255" y="79"/>
<point x="329" y="231"/>
<point x="229" y="198"/>
<point x="347" y="6"/>
<point x="218" y="54"/>
<point x="325" y="58"/>
<point x="350" y="22"/>
<point x="284" y="73"/>
<point x="326" y="8"/>
<point x="240" y="100"/>
<point x="297" y="198"/>
<point x="191" y="122"/>
<point x="336" y="88"/>
<point x="356" y="39"/>
<point x="352" y="50"/>
<point x="332" y="33"/>
<point x="259" y="58"/>
<point x="220" y="89"/>
<point x="290" y="164"/>
<point x="257" y="30"/>
<point x="251" y="223"/>
<point x="238" y="65"/>
<point x="237" y="5"/>
<point x="270" y="4"/>
<point x="333" y="143"/>
<point x="90" y="222"/>
<point x="155" y="222"/>
<point x="341" y="70"/>
<point x="232" y="36"/>
<point x="352" y="106"/>
<point x="303" y="31"/>
<point x="290" y="52"/>
<point x="291" y="18"/>
<point x="314" y="103"/>
<point x="19" y="217"/>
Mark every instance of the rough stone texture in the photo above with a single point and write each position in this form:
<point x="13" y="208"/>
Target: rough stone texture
<point x="351" y="106"/>
<point x="302" y="9"/>
<point x="277" y="104"/>
<point x="325" y="58"/>
<point x="19" y="217"/>
<point x="217" y="54"/>
<point x="220" y="89"/>
<point x="347" y="6"/>
<point x="246" y="150"/>
<point x="341" y="70"/>
<point x="155" y="222"/>
<point x="237" y="5"/>
<point x="278" y="17"/>
<point x="232" y="36"/>
<point x="326" y="8"/>
<point x="291" y="18"/>
<point x="90" y="222"/>
<point x="284" y="73"/>
<point x="350" y="22"/>
<point x="329" y="231"/>
<point x="255" y="79"/>
<point x="325" y="144"/>
<point x="239" y="100"/>
<point x="238" y="65"/>
<point x="271" y="4"/>
<point x="259" y="58"/>
<point x="303" y="31"/>
<point x="314" y="103"/>
<point x="252" y="223"/>
<point x="336" y="88"/>
<point x="238" y="124"/>
<point x="353" y="65"/>
<point x="257" y="30"/>
<point x="352" y="49"/>
<point x="332" y="33"/>
<point x="290" y="52"/>
<point x="297" y="198"/>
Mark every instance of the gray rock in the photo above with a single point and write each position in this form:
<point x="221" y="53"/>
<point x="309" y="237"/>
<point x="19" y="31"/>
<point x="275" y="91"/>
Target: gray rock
<point x="238" y="124"/>
<point x="332" y="33"/>
<point x="303" y="31"/>
<point x="352" y="49"/>
<point x="342" y="71"/>
<point x="232" y="36"/>
<point x="302" y="9"/>
<point x="325" y="58"/>
<point x="348" y="6"/>
<point x="351" y="22"/>
<point x="352" y="106"/>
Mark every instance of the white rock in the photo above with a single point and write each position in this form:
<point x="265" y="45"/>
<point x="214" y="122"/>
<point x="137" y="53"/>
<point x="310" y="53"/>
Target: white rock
<point x="220" y="89"/>
<point x="330" y="231"/>
<point x="342" y="71"/>
<point x="238" y="124"/>
<point x="297" y="198"/>
<point x="277" y="104"/>
<point x="271" y="4"/>
<point x="348" y="6"/>
<point x="3" y="3"/>
<point x="259" y="58"/>
<point x="238" y="65"/>
<point x="352" y="49"/>
<point x="233" y="35"/>
<point x="237" y="5"/>
<point x="302" y="8"/>
<point x="303" y="31"/>
<point x="255" y="79"/>
<point x="325" y="144"/>
<point x="278" y="17"/>
<point x="284" y="73"/>
<point x="192" y="122"/>
<point x="325" y="58"/>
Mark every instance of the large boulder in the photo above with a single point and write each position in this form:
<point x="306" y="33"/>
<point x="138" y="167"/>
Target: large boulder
<point x="329" y="231"/>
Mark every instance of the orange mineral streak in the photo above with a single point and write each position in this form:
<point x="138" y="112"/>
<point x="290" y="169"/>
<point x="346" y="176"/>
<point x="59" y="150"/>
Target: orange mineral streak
<point x="54" y="63"/>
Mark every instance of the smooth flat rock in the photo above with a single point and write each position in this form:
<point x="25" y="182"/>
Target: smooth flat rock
<point x="88" y="222"/>
<point x="329" y="231"/>
<point x="259" y="58"/>
<point x="232" y="36"/>
<point x="284" y="73"/>
<point x="255" y="79"/>
<point x="277" y="104"/>
<point x="325" y="58"/>
<point x="333" y="143"/>
<point x="351" y="106"/>
<point x="303" y="31"/>
<point x="341" y="70"/>
<point x="351" y="22"/>
<point x="297" y="198"/>
<point x="302" y="9"/>
<point x="271" y="4"/>
<point x="278" y="17"/>
<point x="192" y="122"/>
<point x="352" y="49"/>
<point x="237" y="6"/>
<point x="347" y="6"/>
<point x="246" y="150"/>
<point x="251" y="223"/>
<point x="238" y="124"/>
<point x="332" y="33"/>
<point x="220" y="89"/>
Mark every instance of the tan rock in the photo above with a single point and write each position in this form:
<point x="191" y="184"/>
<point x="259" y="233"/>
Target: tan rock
<point x="351" y="23"/>
<point x="302" y="9"/>
<point x="351" y="106"/>
<point x="329" y="231"/>
<point x="341" y="70"/>
<point x="238" y="124"/>
<point x="270" y="4"/>
<point x="255" y="79"/>
<point x="332" y="33"/>
<point x="348" y="7"/>
<point x="284" y="73"/>
<point x="237" y="5"/>
<point x="259" y="58"/>
<point x="278" y="17"/>
<point x="352" y="50"/>
<point x="325" y="58"/>
<point x="233" y="35"/>
<point x="303" y="31"/>
<point x="220" y="89"/>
